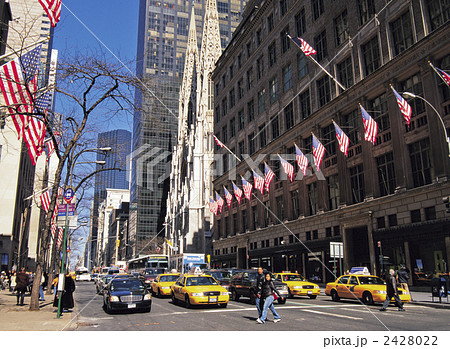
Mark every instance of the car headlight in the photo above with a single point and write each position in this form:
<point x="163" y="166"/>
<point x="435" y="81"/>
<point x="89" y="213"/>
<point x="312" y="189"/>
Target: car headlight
<point x="147" y="281"/>
<point x="379" y="292"/>
<point x="223" y="293"/>
<point x="298" y="287"/>
<point x="114" y="299"/>
<point x="316" y="287"/>
<point x="197" y="294"/>
<point x="285" y="288"/>
<point x="147" y="297"/>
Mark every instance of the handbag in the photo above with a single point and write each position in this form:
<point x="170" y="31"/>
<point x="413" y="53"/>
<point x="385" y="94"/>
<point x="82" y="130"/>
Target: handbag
<point x="275" y="296"/>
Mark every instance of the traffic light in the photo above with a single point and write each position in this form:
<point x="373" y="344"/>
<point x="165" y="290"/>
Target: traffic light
<point x="446" y="200"/>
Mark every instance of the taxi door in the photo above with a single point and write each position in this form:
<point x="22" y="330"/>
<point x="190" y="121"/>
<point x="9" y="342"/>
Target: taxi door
<point x="342" y="287"/>
<point x="353" y="291"/>
<point x="178" y="288"/>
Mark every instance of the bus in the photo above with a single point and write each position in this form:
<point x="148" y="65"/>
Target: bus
<point x="184" y="262"/>
<point x="82" y="274"/>
<point x="148" y="261"/>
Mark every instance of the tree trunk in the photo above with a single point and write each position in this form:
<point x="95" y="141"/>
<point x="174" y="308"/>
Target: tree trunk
<point x="34" y="301"/>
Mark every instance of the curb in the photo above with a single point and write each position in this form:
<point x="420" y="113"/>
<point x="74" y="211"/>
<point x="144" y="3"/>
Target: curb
<point x="431" y="304"/>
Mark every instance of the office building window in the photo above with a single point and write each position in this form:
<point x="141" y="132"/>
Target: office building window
<point x="312" y="198"/>
<point x="315" y="234"/>
<point x="251" y="110"/>
<point x="224" y="107"/>
<point x="329" y="140"/>
<point x="244" y="221"/>
<point x="260" y="67"/>
<point x="262" y="135"/>
<point x="272" y="49"/>
<point x="318" y="8"/>
<point x="232" y="98"/>
<point x="336" y="230"/>
<point x="295" y="197"/>
<point x="371" y="56"/>
<point x="333" y="192"/>
<point x="249" y="79"/>
<point x="280" y="208"/>
<point x="240" y="88"/>
<point x="392" y="220"/>
<point x="430" y="213"/>
<point x="438" y="12"/>
<point x="231" y="70"/>
<point x="305" y="105"/>
<point x="386" y="174"/>
<point x="381" y="223"/>
<point x="320" y="45"/>
<point x="270" y="23"/>
<point x="234" y="228"/>
<point x="225" y="134"/>
<point x="249" y="49"/>
<point x="341" y="28"/>
<point x="241" y="148"/>
<point x="300" y="22"/>
<point x="251" y="143"/>
<point x="255" y="217"/>
<point x="241" y="119"/>
<point x="352" y="123"/>
<point x="308" y="235"/>
<point x="345" y="72"/>
<point x="289" y="116"/>
<point x="380" y="112"/>
<point x="232" y="127"/>
<point x="328" y="232"/>
<point x="357" y="183"/>
<point x="273" y="88"/>
<point x="283" y="7"/>
<point x="275" y="127"/>
<point x="415" y="216"/>
<point x="284" y="39"/>
<point x="267" y="214"/>
<point x="302" y="65"/>
<point x="402" y="34"/>
<point x="287" y="78"/>
<point x="366" y="9"/>
<point x="419" y="153"/>
<point x="414" y="84"/>
<point x="323" y="90"/>
<point x="261" y="101"/>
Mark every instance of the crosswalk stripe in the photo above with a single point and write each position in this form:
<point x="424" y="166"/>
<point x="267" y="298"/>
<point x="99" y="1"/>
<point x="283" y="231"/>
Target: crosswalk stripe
<point x="331" y="314"/>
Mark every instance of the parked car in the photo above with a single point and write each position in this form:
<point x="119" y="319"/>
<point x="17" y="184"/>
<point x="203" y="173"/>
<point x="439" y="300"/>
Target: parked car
<point x="243" y="284"/>
<point x="221" y="275"/>
<point x="126" y="294"/>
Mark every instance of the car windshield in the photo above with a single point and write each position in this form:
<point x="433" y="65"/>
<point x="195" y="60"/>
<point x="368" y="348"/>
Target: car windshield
<point x="221" y="274"/>
<point x="370" y="280"/>
<point x="294" y="277"/>
<point x="127" y="285"/>
<point x="168" y="278"/>
<point x="200" y="281"/>
<point x="153" y="271"/>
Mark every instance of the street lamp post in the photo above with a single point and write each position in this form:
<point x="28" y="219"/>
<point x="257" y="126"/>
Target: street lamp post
<point x="409" y="94"/>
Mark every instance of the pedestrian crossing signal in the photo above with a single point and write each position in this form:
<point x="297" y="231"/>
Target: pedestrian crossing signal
<point x="446" y="200"/>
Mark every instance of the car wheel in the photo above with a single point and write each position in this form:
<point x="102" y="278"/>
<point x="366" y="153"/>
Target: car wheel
<point x="281" y="301"/>
<point x="234" y="295"/>
<point x="367" y="298"/>
<point x="313" y="297"/>
<point x="174" y="300"/>
<point x="187" y="302"/>
<point x="334" y="296"/>
<point x="159" y="293"/>
<point x="290" y="295"/>
<point x="223" y="305"/>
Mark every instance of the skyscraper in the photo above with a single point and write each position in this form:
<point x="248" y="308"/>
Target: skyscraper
<point x="162" y="41"/>
<point x="120" y="142"/>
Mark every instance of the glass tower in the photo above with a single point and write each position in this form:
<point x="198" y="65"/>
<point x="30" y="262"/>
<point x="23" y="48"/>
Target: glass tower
<point x="162" y="42"/>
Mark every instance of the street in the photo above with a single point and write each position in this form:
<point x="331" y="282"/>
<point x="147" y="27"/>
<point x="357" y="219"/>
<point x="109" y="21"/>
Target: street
<point x="298" y="314"/>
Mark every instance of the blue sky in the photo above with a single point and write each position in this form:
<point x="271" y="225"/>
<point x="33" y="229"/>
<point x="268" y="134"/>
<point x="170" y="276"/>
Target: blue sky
<point x="113" y="22"/>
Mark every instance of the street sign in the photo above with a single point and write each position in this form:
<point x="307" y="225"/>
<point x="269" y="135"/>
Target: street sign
<point x="68" y="195"/>
<point x="62" y="209"/>
<point x="336" y="249"/>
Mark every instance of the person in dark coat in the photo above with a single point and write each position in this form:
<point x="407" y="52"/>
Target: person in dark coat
<point x="391" y="290"/>
<point x="21" y="285"/>
<point x="267" y="298"/>
<point x="403" y="277"/>
<point x="67" y="295"/>
<point x="259" y="280"/>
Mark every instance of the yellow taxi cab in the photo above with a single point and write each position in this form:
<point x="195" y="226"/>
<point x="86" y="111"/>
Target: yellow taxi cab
<point x="298" y="285"/>
<point x="73" y="275"/>
<point x="199" y="289"/>
<point x="369" y="288"/>
<point x="161" y="285"/>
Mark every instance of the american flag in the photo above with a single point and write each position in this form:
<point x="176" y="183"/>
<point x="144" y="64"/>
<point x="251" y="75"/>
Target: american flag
<point x="318" y="151"/>
<point x="60" y="237"/>
<point x="237" y="193"/>
<point x="268" y="173"/>
<point x="304" y="46"/>
<point x="445" y="76"/>
<point x="18" y="80"/>
<point x="342" y="139"/>
<point x="371" y="128"/>
<point x="43" y="102"/>
<point x="247" y="186"/>
<point x="287" y="167"/>
<point x="228" y="197"/>
<point x="219" y="201"/>
<point x="302" y="160"/>
<point x="405" y="108"/>
<point x="51" y="148"/>
<point x="213" y="206"/>
<point x="45" y="200"/>
<point x="259" y="182"/>
<point x="219" y="143"/>
<point x="54" y="228"/>
<point x="53" y="10"/>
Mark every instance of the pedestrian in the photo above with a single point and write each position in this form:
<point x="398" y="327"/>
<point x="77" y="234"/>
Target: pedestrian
<point x="259" y="280"/>
<point x="54" y="284"/>
<point x="267" y="297"/>
<point x="21" y="285"/>
<point x="12" y="281"/>
<point x="403" y="277"/>
<point x="391" y="291"/>
<point x="41" y="288"/>
<point x="67" y="297"/>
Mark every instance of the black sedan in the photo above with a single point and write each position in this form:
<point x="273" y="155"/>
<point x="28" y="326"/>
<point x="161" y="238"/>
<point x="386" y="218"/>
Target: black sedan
<point x="126" y="294"/>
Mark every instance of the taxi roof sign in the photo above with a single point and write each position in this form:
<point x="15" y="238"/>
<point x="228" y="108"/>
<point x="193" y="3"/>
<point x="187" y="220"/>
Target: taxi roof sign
<point x="360" y="270"/>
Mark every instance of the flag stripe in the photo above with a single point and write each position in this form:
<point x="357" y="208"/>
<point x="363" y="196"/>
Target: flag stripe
<point x="370" y="126"/>
<point x="53" y="10"/>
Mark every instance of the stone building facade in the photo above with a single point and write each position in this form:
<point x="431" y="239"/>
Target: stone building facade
<point x="382" y="201"/>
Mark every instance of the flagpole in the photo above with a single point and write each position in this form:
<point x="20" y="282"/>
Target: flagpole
<point x="320" y="66"/>
<point x="440" y="75"/>
<point x="25" y="48"/>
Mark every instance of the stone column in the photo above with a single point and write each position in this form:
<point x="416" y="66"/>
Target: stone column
<point x="373" y="264"/>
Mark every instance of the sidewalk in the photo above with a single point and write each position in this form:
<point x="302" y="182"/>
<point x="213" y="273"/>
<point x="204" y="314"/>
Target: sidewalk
<point x="20" y="318"/>
<point x="425" y="299"/>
